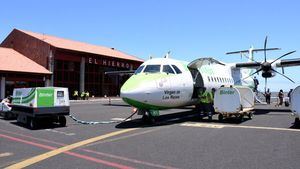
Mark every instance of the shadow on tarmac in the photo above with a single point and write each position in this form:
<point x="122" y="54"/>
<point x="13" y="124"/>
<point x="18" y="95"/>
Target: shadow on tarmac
<point x="118" y="105"/>
<point x="176" y="118"/>
<point x="41" y="125"/>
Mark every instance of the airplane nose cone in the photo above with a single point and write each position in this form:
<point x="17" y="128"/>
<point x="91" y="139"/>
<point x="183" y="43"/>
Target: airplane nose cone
<point x="136" y="90"/>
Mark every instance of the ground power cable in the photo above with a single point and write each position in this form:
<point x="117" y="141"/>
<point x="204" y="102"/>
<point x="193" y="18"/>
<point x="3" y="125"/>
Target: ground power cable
<point x="101" y="122"/>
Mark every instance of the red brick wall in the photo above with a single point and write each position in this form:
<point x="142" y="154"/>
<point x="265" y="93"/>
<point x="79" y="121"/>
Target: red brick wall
<point x="29" y="46"/>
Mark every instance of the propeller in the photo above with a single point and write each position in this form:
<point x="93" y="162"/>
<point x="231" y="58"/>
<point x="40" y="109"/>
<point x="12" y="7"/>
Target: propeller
<point x="266" y="67"/>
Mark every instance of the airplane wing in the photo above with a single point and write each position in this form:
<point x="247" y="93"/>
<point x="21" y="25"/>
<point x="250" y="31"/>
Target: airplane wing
<point x="279" y="63"/>
<point x="122" y="72"/>
<point x="250" y="65"/>
<point x="288" y="62"/>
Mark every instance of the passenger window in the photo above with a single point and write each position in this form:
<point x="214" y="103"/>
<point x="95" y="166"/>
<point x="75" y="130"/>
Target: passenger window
<point x="139" y="70"/>
<point x="177" y="70"/>
<point x="152" y="69"/>
<point x="168" y="69"/>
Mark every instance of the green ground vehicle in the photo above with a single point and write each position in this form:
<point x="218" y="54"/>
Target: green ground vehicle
<point x="32" y="105"/>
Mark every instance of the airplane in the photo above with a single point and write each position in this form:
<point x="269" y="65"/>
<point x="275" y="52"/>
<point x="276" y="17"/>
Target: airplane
<point x="166" y="83"/>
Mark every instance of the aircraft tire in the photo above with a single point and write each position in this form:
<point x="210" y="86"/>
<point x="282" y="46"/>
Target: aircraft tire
<point x="148" y="119"/>
<point x="241" y="117"/>
<point x="297" y="121"/>
<point x="220" y="117"/>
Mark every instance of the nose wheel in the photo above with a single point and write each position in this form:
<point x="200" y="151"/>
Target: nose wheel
<point x="148" y="118"/>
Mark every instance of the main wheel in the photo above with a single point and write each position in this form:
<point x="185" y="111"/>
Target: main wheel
<point x="62" y="121"/>
<point x="241" y="117"/>
<point x="220" y="117"/>
<point x="297" y="121"/>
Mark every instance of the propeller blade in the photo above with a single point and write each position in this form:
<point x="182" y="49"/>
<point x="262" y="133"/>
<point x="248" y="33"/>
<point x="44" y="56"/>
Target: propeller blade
<point x="283" y="56"/>
<point x="258" y="70"/>
<point x="265" y="47"/>
<point x="283" y="75"/>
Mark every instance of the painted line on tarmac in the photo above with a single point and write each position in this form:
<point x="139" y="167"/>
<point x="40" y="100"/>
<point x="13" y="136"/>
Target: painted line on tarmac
<point x="112" y="164"/>
<point x="219" y="126"/>
<point x="6" y="154"/>
<point x="60" y="132"/>
<point x="97" y="152"/>
<point x="57" y="151"/>
<point x="123" y="137"/>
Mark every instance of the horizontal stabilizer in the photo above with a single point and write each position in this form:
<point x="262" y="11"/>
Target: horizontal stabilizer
<point x="254" y="50"/>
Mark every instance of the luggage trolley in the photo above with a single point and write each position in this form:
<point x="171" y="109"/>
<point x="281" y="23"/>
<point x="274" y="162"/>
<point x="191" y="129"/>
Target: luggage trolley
<point x="234" y="101"/>
<point x="295" y="105"/>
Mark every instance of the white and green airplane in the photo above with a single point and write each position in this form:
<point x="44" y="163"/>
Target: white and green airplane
<point x="165" y="83"/>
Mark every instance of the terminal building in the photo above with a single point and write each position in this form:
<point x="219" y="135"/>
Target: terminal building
<point x="29" y="59"/>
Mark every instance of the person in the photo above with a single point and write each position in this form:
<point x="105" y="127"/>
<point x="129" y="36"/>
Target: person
<point x="280" y="96"/>
<point x="75" y="94"/>
<point x="256" y="83"/>
<point x="206" y="100"/>
<point x="289" y="94"/>
<point x="82" y="95"/>
<point x="268" y="96"/>
<point x="87" y="95"/>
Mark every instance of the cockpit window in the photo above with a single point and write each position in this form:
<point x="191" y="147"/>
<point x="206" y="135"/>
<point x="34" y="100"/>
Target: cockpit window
<point x="139" y="70"/>
<point x="168" y="69"/>
<point x="152" y="69"/>
<point x="177" y="70"/>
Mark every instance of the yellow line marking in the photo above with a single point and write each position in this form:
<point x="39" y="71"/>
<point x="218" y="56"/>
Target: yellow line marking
<point x="218" y="126"/>
<point x="125" y="136"/>
<point x="55" y="152"/>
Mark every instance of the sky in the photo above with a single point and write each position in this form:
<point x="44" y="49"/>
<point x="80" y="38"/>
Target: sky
<point x="190" y="29"/>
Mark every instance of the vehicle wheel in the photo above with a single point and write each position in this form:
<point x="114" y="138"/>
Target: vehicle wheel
<point x="297" y="121"/>
<point x="6" y="116"/>
<point x="241" y="117"/>
<point x="220" y="117"/>
<point x="32" y="123"/>
<point x="62" y="121"/>
<point x="250" y="115"/>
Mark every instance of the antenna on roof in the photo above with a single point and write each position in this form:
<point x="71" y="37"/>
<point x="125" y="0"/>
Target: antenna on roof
<point x="168" y="54"/>
<point x="150" y="56"/>
<point x="43" y="37"/>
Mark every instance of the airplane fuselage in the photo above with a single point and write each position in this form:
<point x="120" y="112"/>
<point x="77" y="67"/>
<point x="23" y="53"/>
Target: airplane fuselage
<point x="165" y="83"/>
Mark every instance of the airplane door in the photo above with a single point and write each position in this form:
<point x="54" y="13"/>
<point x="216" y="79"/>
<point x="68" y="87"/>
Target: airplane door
<point x="198" y="81"/>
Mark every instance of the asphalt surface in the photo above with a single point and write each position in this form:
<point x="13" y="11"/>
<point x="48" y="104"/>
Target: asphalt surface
<point x="178" y="140"/>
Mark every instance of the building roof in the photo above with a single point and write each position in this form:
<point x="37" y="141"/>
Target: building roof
<point x="13" y="61"/>
<point x="80" y="46"/>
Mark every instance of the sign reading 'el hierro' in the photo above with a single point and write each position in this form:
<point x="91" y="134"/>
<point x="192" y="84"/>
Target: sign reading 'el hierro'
<point x="111" y="63"/>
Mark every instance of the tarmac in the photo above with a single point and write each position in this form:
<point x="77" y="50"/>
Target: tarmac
<point x="179" y="139"/>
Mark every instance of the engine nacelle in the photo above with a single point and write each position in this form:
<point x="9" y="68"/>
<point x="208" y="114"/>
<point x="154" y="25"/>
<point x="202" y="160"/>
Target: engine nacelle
<point x="268" y="74"/>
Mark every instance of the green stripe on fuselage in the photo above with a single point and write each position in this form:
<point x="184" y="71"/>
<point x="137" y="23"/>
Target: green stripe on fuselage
<point x="143" y="78"/>
<point x="144" y="106"/>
